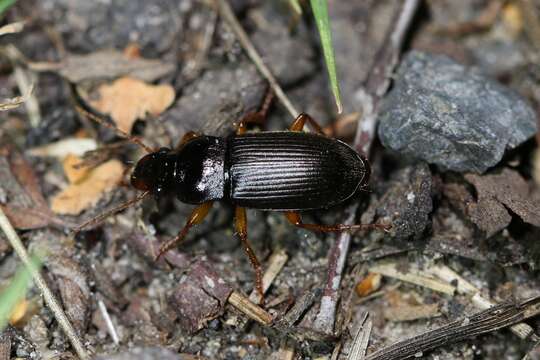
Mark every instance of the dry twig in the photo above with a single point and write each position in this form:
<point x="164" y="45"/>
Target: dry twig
<point x="375" y="87"/>
<point x="51" y="301"/>
<point x="250" y="309"/>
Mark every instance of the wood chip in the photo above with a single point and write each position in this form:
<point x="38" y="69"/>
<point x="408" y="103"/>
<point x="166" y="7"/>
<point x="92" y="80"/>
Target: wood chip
<point x="275" y="264"/>
<point x="81" y="196"/>
<point x="250" y="309"/>
<point x="128" y="99"/>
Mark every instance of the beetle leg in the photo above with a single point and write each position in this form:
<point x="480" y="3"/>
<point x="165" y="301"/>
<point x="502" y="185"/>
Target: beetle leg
<point x="295" y="219"/>
<point x="187" y="137"/>
<point x="257" y="117"/>
<point x="196" y="217"/>
<point x="300" y="121"/>
<point x="241" y="228"/>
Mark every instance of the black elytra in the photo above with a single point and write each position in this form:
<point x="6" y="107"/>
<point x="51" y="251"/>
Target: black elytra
<point x="279" y="171"/>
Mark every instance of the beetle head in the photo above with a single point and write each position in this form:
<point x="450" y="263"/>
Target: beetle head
<point x="147" y="173"/>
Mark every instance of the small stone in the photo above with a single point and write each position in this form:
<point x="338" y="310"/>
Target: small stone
<point x="451" y="116"/>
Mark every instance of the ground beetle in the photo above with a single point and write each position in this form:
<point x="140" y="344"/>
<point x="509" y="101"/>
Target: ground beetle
<point x="286" y="171"/>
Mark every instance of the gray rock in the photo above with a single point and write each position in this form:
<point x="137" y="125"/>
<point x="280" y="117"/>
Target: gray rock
<point x="448" y="115"/>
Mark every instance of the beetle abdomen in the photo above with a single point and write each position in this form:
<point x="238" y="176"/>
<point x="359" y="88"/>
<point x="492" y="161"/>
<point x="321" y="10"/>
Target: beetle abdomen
<point x="292" y="171"/>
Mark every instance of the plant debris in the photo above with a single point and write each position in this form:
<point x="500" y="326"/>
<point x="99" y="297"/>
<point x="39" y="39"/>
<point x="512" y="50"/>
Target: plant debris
<point x="85" y="193"/>
<point x="128" y="99"/>
<point x="498" y="193"/>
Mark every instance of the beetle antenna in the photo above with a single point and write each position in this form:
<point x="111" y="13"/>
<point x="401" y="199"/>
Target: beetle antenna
<point x="120" y="132"/>
<point x="101" y="217"/>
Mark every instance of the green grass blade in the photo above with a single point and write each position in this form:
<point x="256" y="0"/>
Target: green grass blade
<point x="15" y="292"/>
<point x="320" y="12"/>
<point x="5" y="4"/>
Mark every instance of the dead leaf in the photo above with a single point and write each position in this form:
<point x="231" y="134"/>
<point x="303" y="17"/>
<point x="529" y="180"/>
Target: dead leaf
<point x="108" y="64"/>
<point x="498" y="192"/>
<point x="128" y="99"/>
<point x="73" y="169"/>
<point x="78" y="197"/>
<point x="21" y="198"/>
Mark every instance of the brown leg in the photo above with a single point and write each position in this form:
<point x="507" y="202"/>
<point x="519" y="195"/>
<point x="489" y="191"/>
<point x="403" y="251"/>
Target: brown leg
<point x="241" y="228"/>
<point x="300" y="121"/>
<point x="187" y="136"/>
<point x="256" y="117"/>
<point x="295" y="219"/>
<point x="196" y="217"/>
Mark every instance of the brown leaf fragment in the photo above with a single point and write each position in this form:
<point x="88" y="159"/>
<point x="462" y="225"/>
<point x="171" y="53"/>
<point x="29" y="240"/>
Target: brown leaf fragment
<point x="200" y="297"/>
<point x="495" y="192"/>
<point x="74" y="169"/>
<point x="128" y="99"/>
<point x="110" y="64"/>
<point x="78" y="197"/>
<point x="21" y="197"/>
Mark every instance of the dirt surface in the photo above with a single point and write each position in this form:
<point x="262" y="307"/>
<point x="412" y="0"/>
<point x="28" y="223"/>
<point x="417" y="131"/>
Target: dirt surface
<point x="194" y="76"/>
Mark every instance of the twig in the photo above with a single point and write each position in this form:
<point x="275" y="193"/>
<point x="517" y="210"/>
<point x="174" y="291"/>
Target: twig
<point x="374" y="89"/>
<point x="51" y="301"/>
<point x="250" y="309"/>
<point x="232" y="21"/>
<point x="495" y="318"/>
<point x="108" y="322"/>
<point x="275" y="264"/>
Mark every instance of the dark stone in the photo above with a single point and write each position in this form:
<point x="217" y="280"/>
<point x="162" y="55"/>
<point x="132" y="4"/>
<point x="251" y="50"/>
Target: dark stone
<point x="448" y="115"/>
